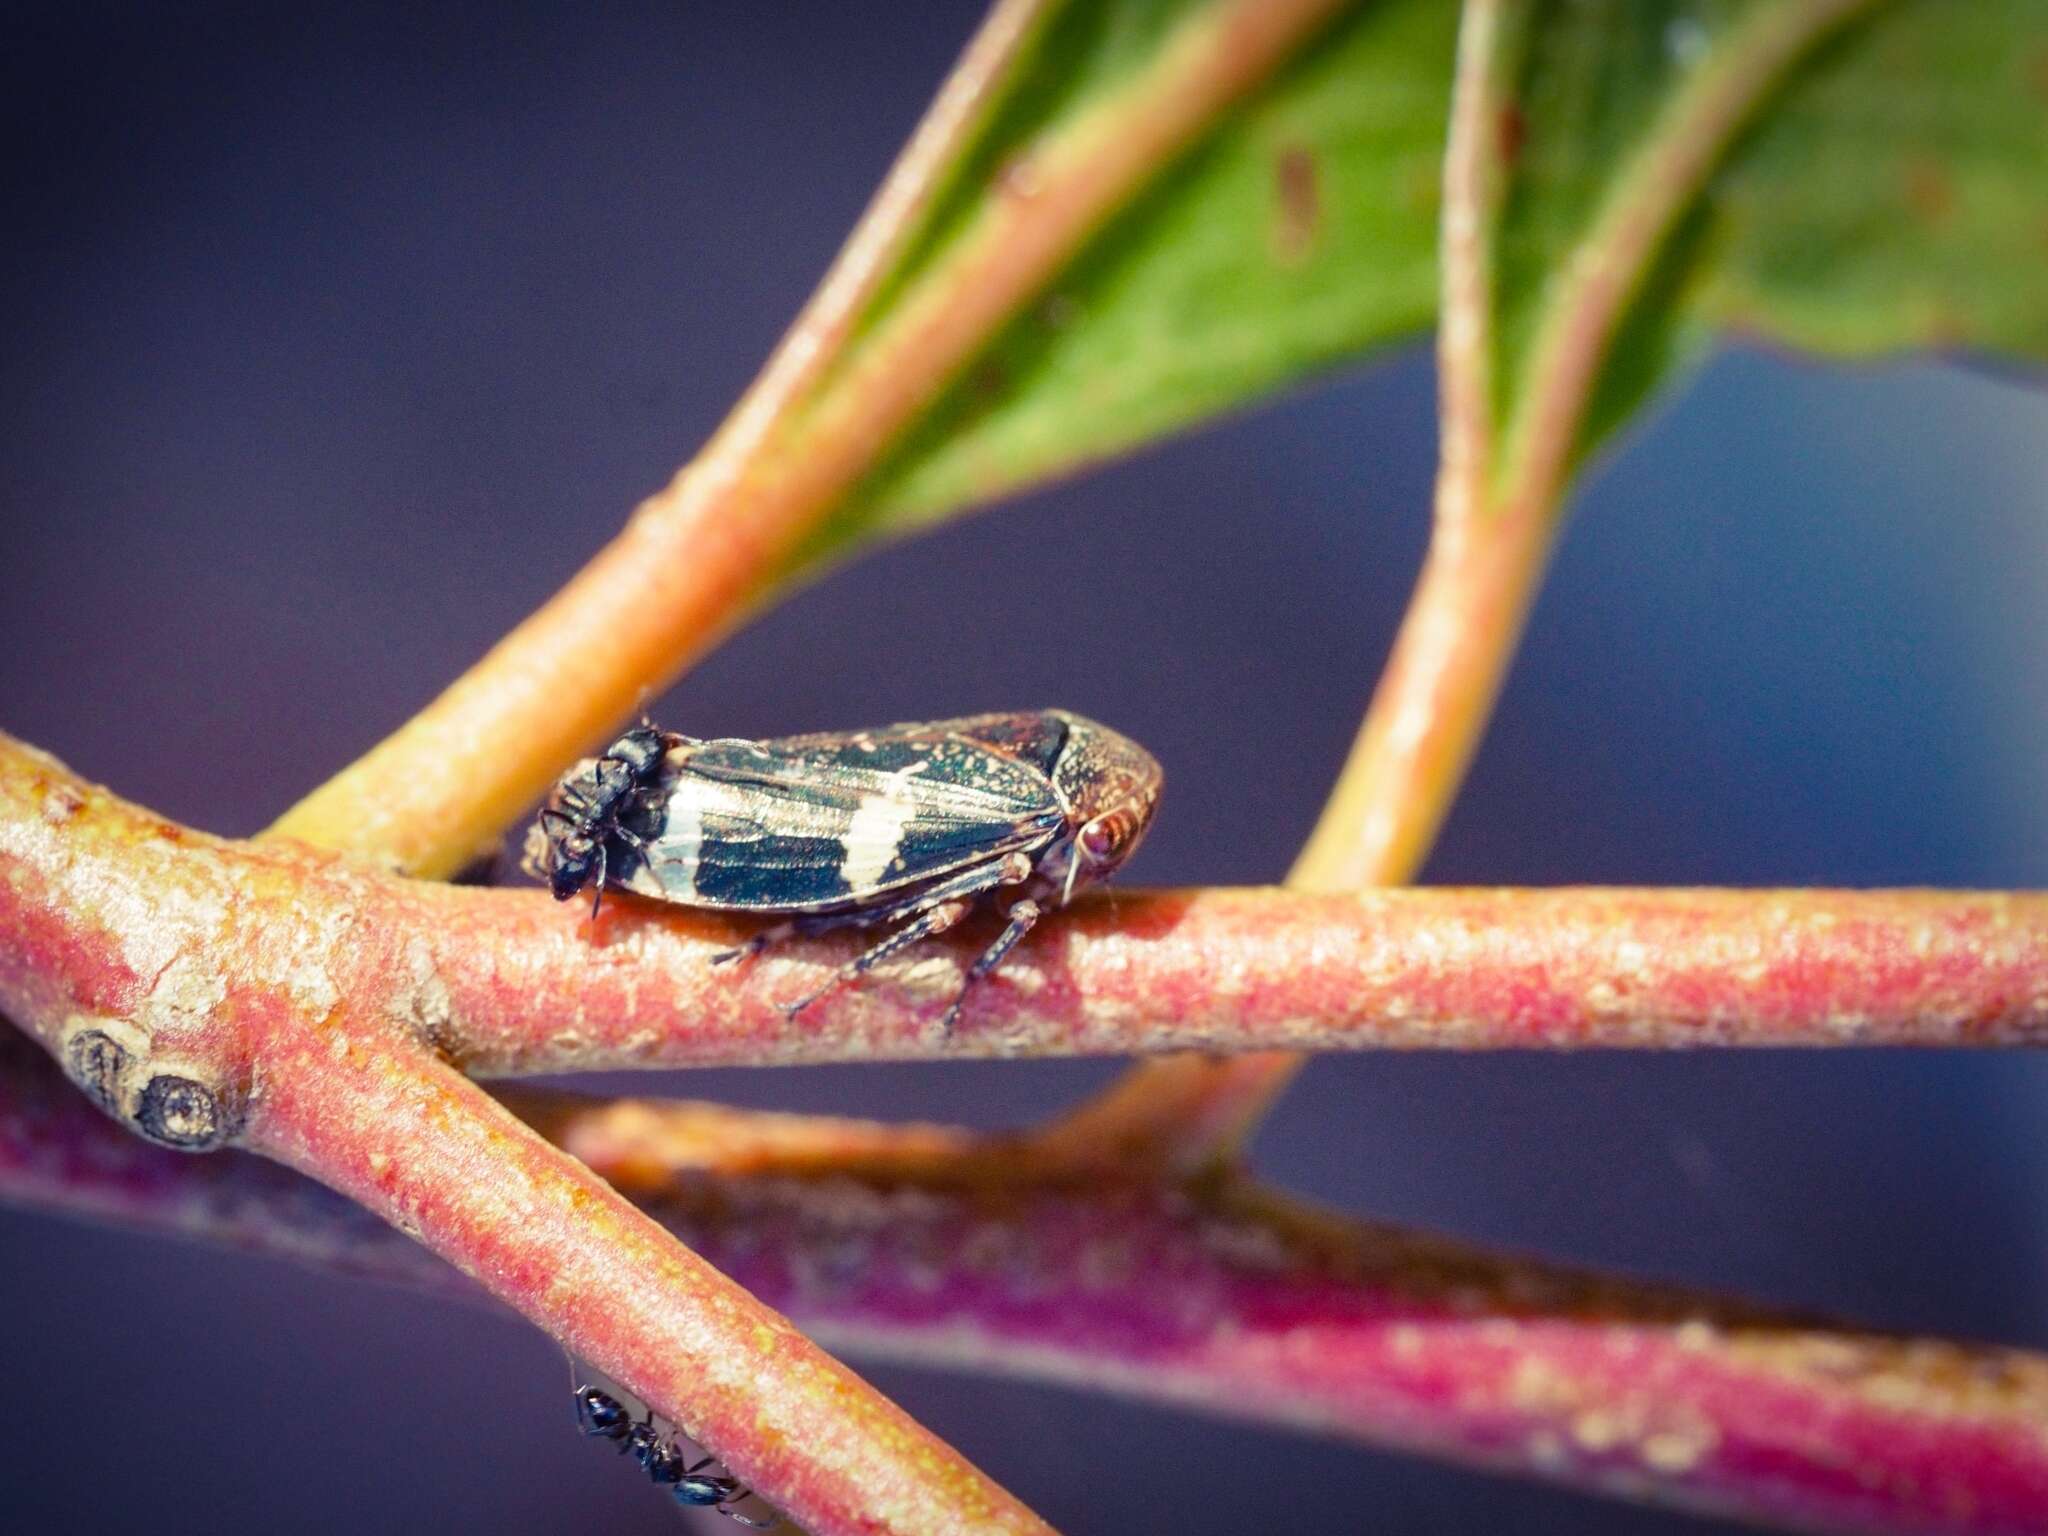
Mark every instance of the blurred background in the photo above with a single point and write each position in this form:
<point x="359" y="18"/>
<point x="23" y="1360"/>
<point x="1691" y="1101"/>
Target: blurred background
<point x="338" y="335"/>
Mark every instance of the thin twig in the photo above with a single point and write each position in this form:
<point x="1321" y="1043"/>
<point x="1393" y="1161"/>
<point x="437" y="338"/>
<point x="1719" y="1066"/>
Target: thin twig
<point x="1665" y="176"/>
<point x="1475" y="150"/>
<point x="817" y="339"/>
<point x="1251" y="970"/>
<point x="1448" y="659"/>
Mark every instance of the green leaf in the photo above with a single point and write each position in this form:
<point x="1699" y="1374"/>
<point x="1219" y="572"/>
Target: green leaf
<point x="1298" y="234"/>
<point x="1889" y="191"/>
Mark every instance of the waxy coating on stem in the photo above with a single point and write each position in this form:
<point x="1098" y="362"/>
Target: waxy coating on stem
<point x="915" y="824"/>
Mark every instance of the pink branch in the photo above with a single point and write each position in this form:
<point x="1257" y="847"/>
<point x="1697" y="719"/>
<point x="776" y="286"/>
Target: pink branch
<point x="1220" y="1297"/>
<point x="530" y="986"/>
<point x="116" y="913"/>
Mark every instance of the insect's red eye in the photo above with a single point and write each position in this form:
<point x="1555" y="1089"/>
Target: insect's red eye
<point x="1098" y="841"/>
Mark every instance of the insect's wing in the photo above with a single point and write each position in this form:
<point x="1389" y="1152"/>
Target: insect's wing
<point x="821" y="823"/>
<point x="1036" y="737"/>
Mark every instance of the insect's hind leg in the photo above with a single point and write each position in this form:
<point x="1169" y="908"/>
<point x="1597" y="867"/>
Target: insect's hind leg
<point x="931" y="911"/>
<point x="934" y="920"/>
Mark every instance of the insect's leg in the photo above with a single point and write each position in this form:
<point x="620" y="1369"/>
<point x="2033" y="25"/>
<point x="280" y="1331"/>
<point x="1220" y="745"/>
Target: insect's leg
<point x="753" y="945"/>
<point x="635" y="840"/>
<point x="1022" y="915"/>
<point x="932" y="911"/>
<point x="597" y="895"/>
<point x="576" y="1386"/>
<point x="811" y="925"/>
<point x="969" y="883"/>
<point x="566" y="820"/>
<point x="675" y="736"/>
<point x="749" y="1521"/>
<point x="972" y="883"/>
<point x="934" y="920"/>
<point x="552" y="861"/>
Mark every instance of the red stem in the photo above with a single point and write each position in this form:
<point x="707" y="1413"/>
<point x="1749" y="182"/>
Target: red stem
<point x="176" y="937"/>
<point x="1218" y="1296"/>
<point x="532" y="987"/>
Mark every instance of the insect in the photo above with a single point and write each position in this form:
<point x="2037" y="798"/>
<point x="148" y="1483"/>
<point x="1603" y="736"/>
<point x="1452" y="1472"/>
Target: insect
<point x="600" y="1414"/>
<point x="588" y="809"/>
<point x="906" y="826"/>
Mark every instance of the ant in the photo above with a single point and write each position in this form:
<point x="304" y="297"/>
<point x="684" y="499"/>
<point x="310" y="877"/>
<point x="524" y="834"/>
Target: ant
<point x="603" y="1416"/>
<point x="585" y="811"/>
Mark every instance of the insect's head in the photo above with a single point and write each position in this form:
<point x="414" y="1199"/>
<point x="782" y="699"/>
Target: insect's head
<point x="1111" y="787"/>
<point x="571" y="860"/>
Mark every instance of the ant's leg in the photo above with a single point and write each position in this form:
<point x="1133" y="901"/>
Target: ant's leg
<point x="567" y="820"/>
<point x="635" y="840"/>
<point x="1022" y="915"/>
<point x="598" y="895"/>
<point x="748" y="1521"/>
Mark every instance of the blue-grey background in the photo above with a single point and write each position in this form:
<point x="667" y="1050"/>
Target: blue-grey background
<point x="337" y="335"/>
